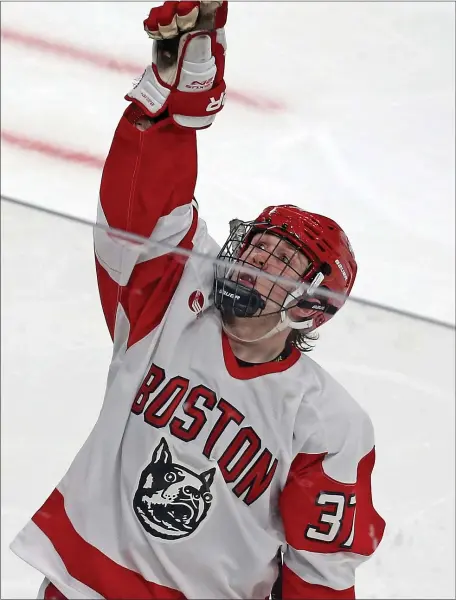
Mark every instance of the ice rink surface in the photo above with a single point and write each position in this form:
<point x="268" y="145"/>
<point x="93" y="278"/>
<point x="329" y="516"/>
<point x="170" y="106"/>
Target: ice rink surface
<point x="343" y="108"/>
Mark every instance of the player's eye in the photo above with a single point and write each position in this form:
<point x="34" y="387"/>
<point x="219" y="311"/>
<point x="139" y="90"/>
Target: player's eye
<point x="170" y="477"/>
<point x="286" y="259"/>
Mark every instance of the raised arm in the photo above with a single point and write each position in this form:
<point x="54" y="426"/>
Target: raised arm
<point x="150" y="173"/>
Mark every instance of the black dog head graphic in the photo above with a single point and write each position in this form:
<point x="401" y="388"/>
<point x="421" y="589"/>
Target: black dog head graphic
<point x="171" y="501"/>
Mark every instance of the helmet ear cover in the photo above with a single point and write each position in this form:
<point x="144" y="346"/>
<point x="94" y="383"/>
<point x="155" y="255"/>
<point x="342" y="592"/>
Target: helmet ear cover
<point x="312" y="305"/>
<point x="321" y="304"/>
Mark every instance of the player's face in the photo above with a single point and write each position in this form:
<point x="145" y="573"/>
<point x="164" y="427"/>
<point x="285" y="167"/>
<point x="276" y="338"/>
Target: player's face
<point x="277" y="257"/>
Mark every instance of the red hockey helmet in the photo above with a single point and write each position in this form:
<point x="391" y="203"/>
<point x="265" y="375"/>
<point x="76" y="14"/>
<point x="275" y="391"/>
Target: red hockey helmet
<point x="332" y="262"/>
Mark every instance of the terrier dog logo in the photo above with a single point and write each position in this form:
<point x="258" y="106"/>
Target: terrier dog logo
<point x="171" y="501"/>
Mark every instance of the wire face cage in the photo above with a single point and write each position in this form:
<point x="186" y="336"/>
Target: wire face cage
<point x="258" y="246"/>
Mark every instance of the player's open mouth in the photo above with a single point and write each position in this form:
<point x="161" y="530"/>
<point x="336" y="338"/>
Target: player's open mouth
<point x="247" y="280"/>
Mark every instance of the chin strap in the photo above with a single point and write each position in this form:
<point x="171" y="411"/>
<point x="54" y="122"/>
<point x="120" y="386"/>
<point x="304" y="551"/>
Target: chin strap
<point x="279" y="327"/>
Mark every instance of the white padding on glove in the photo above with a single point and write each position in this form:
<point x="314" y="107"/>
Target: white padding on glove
<point x="198" y="67"/>
<point x="196" y="74"/>
<point x="150" y="92"/>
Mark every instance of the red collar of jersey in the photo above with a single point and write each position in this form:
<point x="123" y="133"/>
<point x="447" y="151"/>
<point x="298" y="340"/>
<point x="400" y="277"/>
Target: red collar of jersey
<point x="239" y="372"/>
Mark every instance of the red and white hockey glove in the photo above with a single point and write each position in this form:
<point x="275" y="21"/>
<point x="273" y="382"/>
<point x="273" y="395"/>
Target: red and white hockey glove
<point x="188" y="63"/>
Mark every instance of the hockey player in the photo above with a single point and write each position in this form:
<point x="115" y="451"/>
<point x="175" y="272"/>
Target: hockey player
<point x="220" y="443"/>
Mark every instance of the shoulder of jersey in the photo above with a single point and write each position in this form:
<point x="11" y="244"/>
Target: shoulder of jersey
<point x="203" y="241"/>
<point x="331" y="409"/>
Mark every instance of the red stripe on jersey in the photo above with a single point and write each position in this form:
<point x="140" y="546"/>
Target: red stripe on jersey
<point x="89" y="565"/>
<point x="311" y="501"/>
<point x="151" y="288"/>
<point x="295" y="587"/>
<point x="148" y="293"/>
<point x="52" y="593"/>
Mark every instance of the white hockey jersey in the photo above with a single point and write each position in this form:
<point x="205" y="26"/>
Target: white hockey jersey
<point x="198" y="469"/>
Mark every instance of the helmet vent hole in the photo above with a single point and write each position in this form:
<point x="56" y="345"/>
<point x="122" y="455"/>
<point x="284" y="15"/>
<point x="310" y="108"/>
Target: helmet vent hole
<point x="322" y="248"/>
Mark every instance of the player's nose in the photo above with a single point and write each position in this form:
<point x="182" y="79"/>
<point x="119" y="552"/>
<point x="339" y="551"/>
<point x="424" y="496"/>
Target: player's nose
<point x="259" y="258"/>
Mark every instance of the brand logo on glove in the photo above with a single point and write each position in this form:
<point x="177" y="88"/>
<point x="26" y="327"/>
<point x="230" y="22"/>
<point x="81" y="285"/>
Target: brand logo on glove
<point x="216" y="104"/>
<point x="148" y="99"/>
<point x="200" y="85"/>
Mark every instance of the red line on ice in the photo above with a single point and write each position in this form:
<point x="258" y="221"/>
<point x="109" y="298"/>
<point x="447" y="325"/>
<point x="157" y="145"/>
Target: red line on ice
<point x="103" y="61"/>
<point x="52" y="150"/>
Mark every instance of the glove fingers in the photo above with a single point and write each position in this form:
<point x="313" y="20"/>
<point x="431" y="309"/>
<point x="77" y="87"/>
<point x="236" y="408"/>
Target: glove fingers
<point x="163" y="21"/>
<point x="187" y="14"/>
<point x="167" y="21"/>
<point x="155" y="16"/>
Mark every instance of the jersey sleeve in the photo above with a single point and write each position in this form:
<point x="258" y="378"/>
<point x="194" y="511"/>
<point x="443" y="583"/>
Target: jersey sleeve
<point x="147" y="189"/>
<point x="331" y="525"/>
